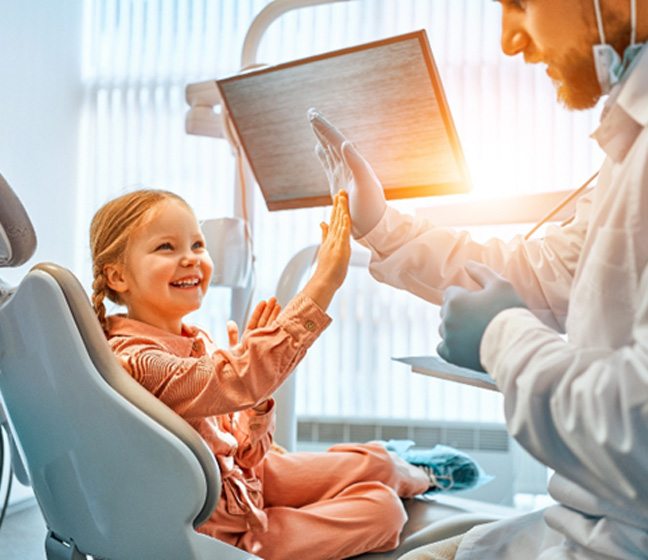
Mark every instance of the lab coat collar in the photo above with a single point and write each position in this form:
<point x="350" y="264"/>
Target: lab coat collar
<point x="626" y="111"/>
<point x="180" y="345"/>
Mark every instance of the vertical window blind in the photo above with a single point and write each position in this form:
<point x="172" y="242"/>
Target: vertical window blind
<point x="138" y="56"/>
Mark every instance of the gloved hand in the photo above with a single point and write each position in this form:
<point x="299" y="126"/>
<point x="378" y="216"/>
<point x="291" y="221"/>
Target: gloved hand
<point x="345" y="168"/>
<point x="466" y="314"/>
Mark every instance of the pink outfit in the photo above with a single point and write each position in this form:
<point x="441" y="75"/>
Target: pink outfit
<point x="278" y="506"/>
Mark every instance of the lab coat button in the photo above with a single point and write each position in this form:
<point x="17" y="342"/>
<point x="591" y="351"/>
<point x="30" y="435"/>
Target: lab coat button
<point x="310" y="325"/>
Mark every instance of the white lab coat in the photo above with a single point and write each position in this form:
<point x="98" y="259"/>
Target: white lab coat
<point x="578" y="405"/>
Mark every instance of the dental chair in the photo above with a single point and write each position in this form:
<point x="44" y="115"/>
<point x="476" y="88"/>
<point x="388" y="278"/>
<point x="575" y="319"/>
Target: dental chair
<point x="116" y="474"/>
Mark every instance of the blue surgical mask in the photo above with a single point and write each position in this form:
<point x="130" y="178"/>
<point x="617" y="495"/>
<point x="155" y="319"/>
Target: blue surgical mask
<point x="610" y="68"/>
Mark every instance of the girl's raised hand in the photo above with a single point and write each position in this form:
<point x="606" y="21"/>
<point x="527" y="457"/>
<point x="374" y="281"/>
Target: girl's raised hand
<point x="333" y="255"/>
<point x="335" y="250"/>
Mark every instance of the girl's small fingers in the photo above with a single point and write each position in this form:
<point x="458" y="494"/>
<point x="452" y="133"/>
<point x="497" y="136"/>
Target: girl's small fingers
<point x="256" y="314"/>
<point x="232" y="333"/>
<point x="335" y="213"/>
<point x="275" y="313"/>
<point x="263" y="320"/>
<point x="325" y="230"/>
<point x="341" y="212"/>
<point x="344" y="201"/>
<point x="346" y="226"/>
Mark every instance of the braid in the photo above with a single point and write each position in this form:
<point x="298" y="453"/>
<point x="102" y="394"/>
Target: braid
<point x="99" y="293"/>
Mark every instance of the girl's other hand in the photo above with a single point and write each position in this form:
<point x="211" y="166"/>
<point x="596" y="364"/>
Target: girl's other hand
<point x="264" y="313"/>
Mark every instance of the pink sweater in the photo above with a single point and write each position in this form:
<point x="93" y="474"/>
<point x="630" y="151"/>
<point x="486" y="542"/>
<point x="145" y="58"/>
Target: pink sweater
<point x="215" y="389"/>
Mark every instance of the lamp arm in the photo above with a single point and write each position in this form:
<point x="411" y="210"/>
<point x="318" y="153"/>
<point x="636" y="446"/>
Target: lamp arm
<point x="263" y="20"/>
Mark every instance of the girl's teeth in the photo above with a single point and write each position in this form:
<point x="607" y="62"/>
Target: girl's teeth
<point x="186" y="283"/>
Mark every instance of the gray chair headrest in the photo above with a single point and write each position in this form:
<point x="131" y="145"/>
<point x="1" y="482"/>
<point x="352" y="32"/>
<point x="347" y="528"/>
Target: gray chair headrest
<point x="16" y="229"/>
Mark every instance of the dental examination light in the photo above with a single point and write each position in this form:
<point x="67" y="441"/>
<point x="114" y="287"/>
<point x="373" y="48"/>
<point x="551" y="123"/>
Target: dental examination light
<point x="386" y="95"/>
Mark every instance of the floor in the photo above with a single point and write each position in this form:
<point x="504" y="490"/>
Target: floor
<point x="22" y="535"/>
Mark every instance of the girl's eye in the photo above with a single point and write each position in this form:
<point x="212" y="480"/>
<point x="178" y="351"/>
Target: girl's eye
<point x="198" y="245"/>
<point x="164" y="247"/>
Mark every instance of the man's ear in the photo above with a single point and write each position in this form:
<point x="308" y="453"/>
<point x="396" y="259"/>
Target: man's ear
<point x="115" y="278"/>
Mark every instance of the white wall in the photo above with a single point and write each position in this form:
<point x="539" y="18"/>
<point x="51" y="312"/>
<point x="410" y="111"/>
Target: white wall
<point x="40" y="100"/>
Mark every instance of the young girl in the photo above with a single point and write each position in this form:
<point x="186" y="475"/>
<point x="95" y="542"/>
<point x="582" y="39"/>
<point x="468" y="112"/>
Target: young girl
<point x="149" y="255"/>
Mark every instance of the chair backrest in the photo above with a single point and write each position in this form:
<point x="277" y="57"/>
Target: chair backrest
<point x="116" y="473"/>
<point x="120" y="481"/>
<point x="17" y="236"/>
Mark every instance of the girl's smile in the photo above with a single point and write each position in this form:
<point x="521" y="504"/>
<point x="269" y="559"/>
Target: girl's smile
<point x="187" y="283"/>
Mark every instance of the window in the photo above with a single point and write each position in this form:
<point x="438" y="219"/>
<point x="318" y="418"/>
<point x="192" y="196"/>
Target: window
<point x="138" y="58"/>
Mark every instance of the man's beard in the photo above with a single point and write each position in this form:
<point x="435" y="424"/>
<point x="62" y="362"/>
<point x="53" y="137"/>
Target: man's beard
<point x="577" y="85"/>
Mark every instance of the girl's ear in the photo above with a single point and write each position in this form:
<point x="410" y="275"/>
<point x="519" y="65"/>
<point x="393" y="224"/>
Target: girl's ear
<point x="115" y="278"/>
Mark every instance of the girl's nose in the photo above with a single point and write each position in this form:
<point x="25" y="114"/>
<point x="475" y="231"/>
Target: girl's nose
<point x="189" y="260"/>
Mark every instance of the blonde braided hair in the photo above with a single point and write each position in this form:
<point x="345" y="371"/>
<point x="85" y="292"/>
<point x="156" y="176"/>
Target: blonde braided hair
<point x="110" y="230"/>
<point x="99" y="293"/>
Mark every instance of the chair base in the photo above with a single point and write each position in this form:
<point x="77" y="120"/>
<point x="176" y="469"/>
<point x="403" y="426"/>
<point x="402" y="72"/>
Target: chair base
<point x="57" y="549"/>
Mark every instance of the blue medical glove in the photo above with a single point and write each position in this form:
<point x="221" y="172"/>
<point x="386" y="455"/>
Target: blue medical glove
<point x="465" y="314"/>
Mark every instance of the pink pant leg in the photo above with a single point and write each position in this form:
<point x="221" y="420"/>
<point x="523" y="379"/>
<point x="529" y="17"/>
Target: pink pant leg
<point x="297" y="479"/>
<point x="333" y="505"/>
<point x="364" y="517"/>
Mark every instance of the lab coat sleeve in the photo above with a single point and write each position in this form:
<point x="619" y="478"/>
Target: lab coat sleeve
<point x="581" y="411"/>
<point x="414" y="254"/>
